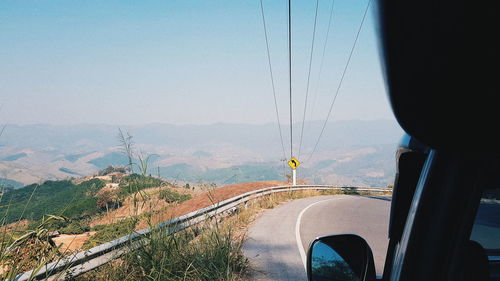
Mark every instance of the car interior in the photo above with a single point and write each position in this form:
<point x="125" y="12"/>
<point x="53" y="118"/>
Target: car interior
<point x="441" y="66"/>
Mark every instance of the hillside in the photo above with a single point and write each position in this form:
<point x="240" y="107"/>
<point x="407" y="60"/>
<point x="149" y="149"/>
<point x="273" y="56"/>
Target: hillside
<point x="62" y="198"/>
<point x="134" y="203"/>
<point x="206" y="199"/>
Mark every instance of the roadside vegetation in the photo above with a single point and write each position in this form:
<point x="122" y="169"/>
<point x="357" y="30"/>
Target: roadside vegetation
<point x="109" y="232"/>
<point x="31" y="250"/>
<point x="212" y="254"/>
<point x="171" y="196"/>
<point x="33" y="217"/>
<point x="208" y="252"/>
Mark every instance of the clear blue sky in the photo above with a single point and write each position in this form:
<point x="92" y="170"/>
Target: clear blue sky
<point x="180" y="62"/>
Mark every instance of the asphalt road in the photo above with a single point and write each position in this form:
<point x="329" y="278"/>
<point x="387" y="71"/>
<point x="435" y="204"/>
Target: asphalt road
<point x="278" y="241"/>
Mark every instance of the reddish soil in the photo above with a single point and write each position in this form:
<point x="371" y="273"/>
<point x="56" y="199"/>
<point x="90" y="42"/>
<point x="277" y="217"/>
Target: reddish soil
<point x="70" y="243"/>
<point x="147" y="202"/>
<point x="206" y="199"/>
<point x="15" y="226"/>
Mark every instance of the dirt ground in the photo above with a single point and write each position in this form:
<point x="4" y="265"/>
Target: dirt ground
<point x="206" y="199"/>
<point x="70" y="243"/>
<point x="147" y="202"/>
<point x="15" y="226"/>
<point x="164" y="211"/>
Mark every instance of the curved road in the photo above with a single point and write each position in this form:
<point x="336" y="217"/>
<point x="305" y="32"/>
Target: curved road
<point x="278" y="241"/>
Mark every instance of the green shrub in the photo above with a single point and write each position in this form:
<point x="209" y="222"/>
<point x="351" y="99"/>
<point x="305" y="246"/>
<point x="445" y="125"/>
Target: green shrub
<point x="66" y="226"/>
<point x="135" y="182"/>
<point x="52" y="197"/>
<point x="111" y="169"/>
<point x="75" y="227"/>
<point x="172" y="196"/>
<point x="109" y="232"/>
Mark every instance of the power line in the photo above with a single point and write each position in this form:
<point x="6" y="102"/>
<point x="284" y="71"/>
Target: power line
<point x="290" y="72"/>
<point x="330" y="20"/>
<point x="308" y="76"/>
<point x="272" y="77"/>
<point x="341" y="80"/>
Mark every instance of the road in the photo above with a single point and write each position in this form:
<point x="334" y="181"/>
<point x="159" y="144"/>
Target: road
<point x="277" y="242"/>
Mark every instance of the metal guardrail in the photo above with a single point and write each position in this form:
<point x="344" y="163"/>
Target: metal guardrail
<point x="85" y="261"/>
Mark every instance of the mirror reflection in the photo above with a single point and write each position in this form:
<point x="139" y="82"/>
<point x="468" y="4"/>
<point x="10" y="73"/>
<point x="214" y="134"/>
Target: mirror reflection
<point x="327" y="264"/>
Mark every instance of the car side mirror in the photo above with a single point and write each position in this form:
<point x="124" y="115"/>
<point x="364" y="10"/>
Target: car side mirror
<point x="344" y="257"/>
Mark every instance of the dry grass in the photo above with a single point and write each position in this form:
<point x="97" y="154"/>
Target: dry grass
<point x="211" y="251"/>
<point x="148" y="202"/>
<point x="72" y="242"/>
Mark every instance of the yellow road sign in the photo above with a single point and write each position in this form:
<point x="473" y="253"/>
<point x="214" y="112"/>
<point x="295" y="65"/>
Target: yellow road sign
<point x="293" y="163"/>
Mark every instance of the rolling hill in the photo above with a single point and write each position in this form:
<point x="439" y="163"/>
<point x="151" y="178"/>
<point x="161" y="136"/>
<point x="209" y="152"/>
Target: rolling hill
<point x="351" y="152"/>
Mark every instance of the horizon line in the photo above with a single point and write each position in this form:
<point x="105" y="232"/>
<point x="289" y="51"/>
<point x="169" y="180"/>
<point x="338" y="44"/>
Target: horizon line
<point x="187" y="124"/>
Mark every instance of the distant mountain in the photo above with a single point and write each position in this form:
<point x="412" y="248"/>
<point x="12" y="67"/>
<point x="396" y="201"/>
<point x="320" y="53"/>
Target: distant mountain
<point x="224" y="176"/>
<point x="355" y="152"/>
<point x="112" y="158"/>
<point x="69" y="172"/>
<point x="82" y="137"/>
<point x="14" y="157"/>
<point x="9" y="184"/>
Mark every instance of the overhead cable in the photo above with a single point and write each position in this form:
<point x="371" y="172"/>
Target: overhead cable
<point x="308" y="76"/>
<point x="341" y="80"/>
<point x="272" y="77"/>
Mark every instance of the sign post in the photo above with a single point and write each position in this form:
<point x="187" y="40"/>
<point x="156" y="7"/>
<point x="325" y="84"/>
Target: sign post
<point x="294" y="163"/>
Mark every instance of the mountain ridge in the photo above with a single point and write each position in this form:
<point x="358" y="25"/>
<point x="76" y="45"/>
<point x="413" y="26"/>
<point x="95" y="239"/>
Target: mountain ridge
<point x="50" y="151"/>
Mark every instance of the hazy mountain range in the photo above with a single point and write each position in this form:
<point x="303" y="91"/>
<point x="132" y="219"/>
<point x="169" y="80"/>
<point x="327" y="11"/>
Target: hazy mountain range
<point x="350" y="152"/>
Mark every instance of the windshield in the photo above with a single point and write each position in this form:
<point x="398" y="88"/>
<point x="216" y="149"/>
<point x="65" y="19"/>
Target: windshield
<point x="486" y="229"/>
<point x="153" y="134"/>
